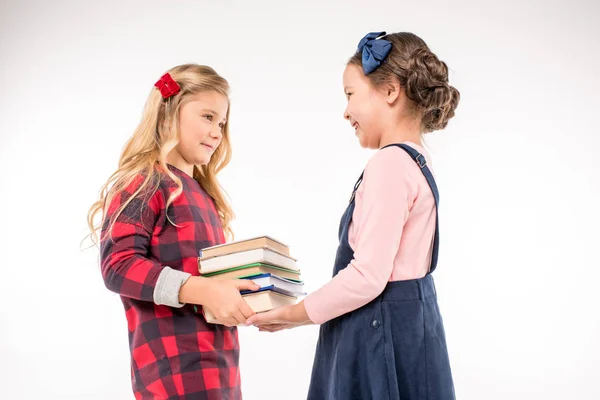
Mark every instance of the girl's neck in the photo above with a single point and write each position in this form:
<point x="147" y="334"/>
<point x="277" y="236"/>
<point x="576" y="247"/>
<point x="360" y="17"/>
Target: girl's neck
<point x="175" y="159"/>
<point x="406" y="130"/>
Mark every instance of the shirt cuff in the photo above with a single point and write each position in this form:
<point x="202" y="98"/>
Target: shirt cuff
<point x="311" y="307"/>
<point x="166" y="291"/>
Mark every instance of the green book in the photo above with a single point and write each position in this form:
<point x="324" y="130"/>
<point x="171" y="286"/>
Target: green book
<point x="244" y="271"/>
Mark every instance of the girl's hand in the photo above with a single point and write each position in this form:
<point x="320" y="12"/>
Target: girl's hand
<point x="222" y="298"/>
<point x="280" y="318"/>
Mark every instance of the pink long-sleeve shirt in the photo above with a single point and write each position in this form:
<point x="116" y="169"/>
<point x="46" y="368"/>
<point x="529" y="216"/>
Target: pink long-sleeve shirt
<point x="391" y="233"/>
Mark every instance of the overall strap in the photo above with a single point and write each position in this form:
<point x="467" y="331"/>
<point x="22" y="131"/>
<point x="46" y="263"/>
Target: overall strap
<point x="422" y="163"/>
<point x="356" y="185"/>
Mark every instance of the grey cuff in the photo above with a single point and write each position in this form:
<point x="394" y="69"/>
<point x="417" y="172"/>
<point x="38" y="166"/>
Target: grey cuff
<point x="167" y="287"/>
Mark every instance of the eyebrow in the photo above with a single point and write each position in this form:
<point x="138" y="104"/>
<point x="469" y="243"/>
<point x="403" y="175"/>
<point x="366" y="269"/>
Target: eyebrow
<point x="214" y="113"/>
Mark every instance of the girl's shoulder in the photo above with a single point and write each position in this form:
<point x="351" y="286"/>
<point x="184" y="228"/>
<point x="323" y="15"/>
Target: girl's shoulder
<point x="394" y="158"/>
<point x="169" y="180"/>
<point x="393" y="166"/>
<point x="150" y="186"/>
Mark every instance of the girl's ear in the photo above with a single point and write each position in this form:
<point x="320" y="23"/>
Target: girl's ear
<point x="392" y="92"/>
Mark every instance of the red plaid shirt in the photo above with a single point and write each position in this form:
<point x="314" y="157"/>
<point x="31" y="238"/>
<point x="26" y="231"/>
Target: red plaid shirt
<point x="175" y="353"/>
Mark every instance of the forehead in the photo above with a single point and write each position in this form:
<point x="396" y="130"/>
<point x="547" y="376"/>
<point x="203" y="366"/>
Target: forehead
<point x="353" y="76"/>
<point x="211" y="100"/>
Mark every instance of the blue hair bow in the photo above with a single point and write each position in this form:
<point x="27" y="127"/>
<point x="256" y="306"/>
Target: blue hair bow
<point x="373" y="51"/>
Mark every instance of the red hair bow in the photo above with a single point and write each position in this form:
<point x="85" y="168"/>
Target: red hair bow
<point x="167" y="86"/>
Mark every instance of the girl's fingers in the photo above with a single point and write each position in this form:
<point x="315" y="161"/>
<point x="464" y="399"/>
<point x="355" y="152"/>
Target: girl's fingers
<point x="240" y="318"/>
<point x="271" y="327"/>
<point x="246" y="311"/>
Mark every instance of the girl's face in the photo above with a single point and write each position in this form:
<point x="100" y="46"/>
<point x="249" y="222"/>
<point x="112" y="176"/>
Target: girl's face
<point x="201" y="122"/>
<point x="367" y="108"/>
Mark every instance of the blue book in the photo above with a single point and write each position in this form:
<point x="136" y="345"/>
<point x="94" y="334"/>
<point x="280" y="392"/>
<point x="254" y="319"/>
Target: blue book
<point x="277" y="284"/>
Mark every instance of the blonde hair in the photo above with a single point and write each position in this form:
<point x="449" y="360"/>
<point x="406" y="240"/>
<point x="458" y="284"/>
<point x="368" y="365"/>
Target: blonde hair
<point x="154" y="138"/>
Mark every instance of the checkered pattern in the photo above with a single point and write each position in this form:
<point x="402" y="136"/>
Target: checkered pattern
<point x="175" y="354"/>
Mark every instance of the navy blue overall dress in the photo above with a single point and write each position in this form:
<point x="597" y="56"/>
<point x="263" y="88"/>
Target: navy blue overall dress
<point x="393" y="347"/>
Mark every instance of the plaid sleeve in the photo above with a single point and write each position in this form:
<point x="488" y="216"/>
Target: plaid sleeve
<point x="125" y="265"/>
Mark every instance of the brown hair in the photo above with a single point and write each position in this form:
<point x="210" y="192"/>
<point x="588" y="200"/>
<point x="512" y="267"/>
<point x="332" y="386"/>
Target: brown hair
<point x="156" y="135"/>
<point x="422" y="75"/>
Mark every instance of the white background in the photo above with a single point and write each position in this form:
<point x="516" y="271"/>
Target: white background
<point x="517" y="171"/>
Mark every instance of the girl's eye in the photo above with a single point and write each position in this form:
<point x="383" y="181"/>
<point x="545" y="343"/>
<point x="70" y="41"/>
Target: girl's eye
<point x="208" y="117"/>
<point x="221" y="125"/>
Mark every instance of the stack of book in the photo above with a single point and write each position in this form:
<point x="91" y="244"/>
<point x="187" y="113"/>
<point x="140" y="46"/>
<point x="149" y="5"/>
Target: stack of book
<point x="262" y="259"/>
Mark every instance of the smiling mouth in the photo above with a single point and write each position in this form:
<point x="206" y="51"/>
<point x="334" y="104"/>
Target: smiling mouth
<point x="208" y="146"/>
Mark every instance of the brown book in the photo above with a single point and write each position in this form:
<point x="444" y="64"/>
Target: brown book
<point x="254" y="269"/>
<point x="244" y="245"/>
<point x="247" y="257"/>
<point x="258" y="302"/>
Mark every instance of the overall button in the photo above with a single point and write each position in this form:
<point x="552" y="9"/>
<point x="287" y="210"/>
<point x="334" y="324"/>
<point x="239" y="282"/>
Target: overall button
<point x="376" y="324"/>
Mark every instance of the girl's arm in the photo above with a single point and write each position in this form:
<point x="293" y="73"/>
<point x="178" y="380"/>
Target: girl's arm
<point x="387" y="196"/>
<point x="128" y="271"/>
<point x="124" y="262"/>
